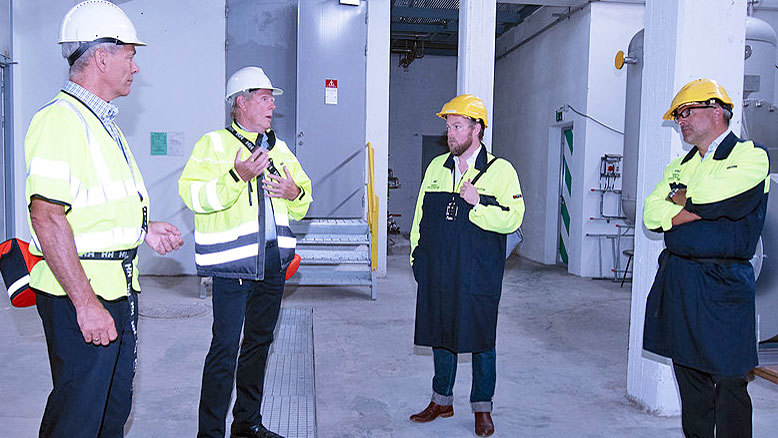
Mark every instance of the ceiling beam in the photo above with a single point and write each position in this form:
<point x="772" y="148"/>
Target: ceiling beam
<point x="429" y="28"/>
<point x="430" y="13"/>
<point x="565" y="3"/>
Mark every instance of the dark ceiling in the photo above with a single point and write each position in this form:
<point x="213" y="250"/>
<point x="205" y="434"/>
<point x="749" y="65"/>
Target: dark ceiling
<point x="429" y="27"/>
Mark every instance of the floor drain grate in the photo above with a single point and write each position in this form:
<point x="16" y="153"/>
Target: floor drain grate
<point x="289" y="399"/>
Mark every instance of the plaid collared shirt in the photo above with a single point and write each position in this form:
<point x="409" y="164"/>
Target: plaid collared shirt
<point x="104" y="111"/>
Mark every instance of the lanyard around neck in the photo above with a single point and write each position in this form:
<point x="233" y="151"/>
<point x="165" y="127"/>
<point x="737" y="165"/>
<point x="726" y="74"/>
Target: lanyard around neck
<point x="271" y="141"/>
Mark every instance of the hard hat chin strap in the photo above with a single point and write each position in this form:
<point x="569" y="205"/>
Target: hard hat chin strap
<point x="84" y="46"/>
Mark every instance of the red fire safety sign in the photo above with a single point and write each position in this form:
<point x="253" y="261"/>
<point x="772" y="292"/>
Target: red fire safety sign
<point x="331" y="91"/>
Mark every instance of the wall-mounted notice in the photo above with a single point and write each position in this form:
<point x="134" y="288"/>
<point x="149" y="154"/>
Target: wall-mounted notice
<point x="331" y="91"/>
<point x="159" y="143"/>
<point x="175" y="144"/>
<point x="169" y="143"/>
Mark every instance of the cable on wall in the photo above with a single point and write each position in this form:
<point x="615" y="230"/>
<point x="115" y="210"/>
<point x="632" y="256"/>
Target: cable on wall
<point x="567" y="106"/>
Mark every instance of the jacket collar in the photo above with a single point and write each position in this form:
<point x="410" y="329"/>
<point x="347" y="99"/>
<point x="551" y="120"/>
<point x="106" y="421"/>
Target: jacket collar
<point x="480" y="160"/>
<point x="251" y="136"/>
<point x="722" y="151"/>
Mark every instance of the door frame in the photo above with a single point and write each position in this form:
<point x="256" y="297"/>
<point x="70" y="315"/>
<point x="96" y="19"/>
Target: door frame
<point x="554" y="191"/>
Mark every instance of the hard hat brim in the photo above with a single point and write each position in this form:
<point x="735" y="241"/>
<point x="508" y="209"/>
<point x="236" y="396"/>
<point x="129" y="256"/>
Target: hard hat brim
<point x="276" y="91"/>
<point x="443" y="115"/>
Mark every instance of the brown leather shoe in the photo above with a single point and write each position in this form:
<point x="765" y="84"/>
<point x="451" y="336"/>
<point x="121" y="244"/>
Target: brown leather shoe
<point x="483" y="424"/>
<point x="432" y="412"/>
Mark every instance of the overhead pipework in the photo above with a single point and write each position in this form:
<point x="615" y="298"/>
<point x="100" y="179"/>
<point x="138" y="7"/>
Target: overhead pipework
<point x="431" y="27"/>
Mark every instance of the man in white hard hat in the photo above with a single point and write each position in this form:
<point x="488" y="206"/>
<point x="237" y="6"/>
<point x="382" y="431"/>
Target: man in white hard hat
<point x="243" y="184"/>
<point x="88" y="213"/>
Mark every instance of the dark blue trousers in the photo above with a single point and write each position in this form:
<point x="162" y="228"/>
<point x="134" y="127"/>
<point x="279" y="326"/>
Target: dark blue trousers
<point x="92" y="393"/>
<point x="254" y="307"/>
<point x="484" y="378"/>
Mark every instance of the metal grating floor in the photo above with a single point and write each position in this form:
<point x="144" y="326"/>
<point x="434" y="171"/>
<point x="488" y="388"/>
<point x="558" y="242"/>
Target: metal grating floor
<point x="289" y="399"/>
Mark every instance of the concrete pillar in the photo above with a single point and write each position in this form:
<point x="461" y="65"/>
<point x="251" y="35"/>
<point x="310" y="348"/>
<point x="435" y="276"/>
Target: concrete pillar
<point x="684" y="40"/>
<point x="475" y="65"/>
<point x="377" y="109"/>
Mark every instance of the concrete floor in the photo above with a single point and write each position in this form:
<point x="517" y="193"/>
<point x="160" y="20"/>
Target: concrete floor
<point x="561" y="361"/>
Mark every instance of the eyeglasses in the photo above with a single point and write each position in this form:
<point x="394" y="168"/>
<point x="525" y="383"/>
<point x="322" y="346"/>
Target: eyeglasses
<point x="684" y="113"/>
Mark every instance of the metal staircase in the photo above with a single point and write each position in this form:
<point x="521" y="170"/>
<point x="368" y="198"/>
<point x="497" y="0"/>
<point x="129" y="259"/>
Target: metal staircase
<point x="334" y="252"/>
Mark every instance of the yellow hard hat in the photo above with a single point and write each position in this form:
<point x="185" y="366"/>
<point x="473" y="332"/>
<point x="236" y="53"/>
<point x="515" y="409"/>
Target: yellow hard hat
<point x="465" y="105"/>
<point x="701" y="90"/>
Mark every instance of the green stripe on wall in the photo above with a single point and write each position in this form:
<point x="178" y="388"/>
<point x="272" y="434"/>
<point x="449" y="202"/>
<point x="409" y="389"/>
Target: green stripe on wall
<point x="568" y="177"/>
<point x="569" y="137"/>
<point x="562" y="250"/>
<point x="566" y="218"/>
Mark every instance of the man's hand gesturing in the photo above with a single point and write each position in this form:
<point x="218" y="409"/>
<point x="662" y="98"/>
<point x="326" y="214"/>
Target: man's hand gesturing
<point x="278" y="187"/>
<point x="469" y="193"/>
<point x="253" y="166"/>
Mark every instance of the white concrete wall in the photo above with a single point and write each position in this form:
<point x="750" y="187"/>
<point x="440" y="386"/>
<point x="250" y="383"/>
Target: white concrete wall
<point x="179" y="87"/>
<point x="416" y="94"/>
<point x="534" y="81"/>
<point x="569" y="64"/>
<point x="377" y="114"/>
<point x="475" y="62"/>
<point x="612" y="27"/>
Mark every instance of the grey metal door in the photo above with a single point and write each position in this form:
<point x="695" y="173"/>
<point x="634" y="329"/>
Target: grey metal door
<point x="264" y="33"/>
<point x="331" y="43"/>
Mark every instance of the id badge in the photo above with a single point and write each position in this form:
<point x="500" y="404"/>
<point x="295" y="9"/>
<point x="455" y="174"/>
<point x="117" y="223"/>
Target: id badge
<point x="451" y="210"/>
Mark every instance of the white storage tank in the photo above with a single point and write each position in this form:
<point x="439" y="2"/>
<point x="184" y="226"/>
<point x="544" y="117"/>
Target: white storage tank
<point x="759" y="74"/>
<point x="629" y="164"/>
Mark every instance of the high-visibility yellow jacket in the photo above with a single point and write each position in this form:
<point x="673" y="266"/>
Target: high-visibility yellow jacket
<point x="700" y="310"/>
<point x="72" y="160"/>
<point x="708" y="182"/>
<point x="501" y="206"/>
<point x="458" y="252"/>
<point x="227" y="233"/>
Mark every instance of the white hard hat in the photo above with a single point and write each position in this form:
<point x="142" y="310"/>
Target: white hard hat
<point x="250" y="78"/>
<point x="96" y="21"/>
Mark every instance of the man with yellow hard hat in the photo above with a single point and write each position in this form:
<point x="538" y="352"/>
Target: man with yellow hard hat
<point x="710" y="205"/>
<point x="469" y="201"/>
<point x="88" y="213"/>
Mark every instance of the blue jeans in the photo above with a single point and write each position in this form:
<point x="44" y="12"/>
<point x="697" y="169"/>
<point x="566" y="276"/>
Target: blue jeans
<point x="484" y="378"/>
<point x="92" y="393"/>
<point x="259" y="302"/>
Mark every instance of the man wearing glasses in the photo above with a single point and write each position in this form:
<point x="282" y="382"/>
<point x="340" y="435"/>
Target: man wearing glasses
<point x="243" y="184"/>
<point x="710" y="205"/>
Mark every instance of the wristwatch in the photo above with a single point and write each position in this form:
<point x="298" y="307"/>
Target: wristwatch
<point x="672" y="193"/>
